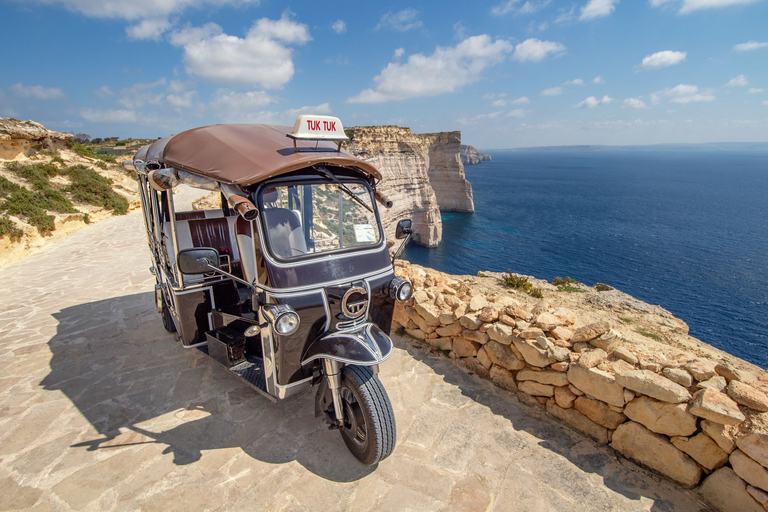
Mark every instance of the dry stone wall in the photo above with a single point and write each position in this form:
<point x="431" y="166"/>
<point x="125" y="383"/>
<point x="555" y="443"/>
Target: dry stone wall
<point x="700" y="422"/>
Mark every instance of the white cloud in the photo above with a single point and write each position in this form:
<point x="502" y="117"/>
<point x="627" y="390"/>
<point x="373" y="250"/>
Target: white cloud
<point x="399" y="52"/>
<point x="148" y="29"/>
<point x="662" y="59"/>
<point x="459" y="31"/>
<point x="695" y="5"/>
<point x="232" y="102"/>
<point x="505" y="8"/>
<point x="684" y="93"/>
<point x="755" y="90"/>
<point x="183" y="100"/>
<point x="339" y="26"/>
<point x="108" y="116"/>
<point x="37" y="92"/>
<point x="446" y="70"/>
<point x="565" y="15"/>
<point x="552" y="91"/>
<point x="522" y="100"/>
<point x="750" y="46"/>
<point x="142" y="94"/>
<point x="529" y="7"/>
<point x="401" y="21"/>
<point x="598" y="80"/>
<point x="518" y="113"/>
<point x="322" y="109"/>
<point x="593" y="102"/>
<point x="633" y="103"/>
<point x="262" y="58"/>
<point x="738" y="81"/>
<point x="575" y="81"/>
<point x="499" y="103"/>
<point x="491" y="95"/>
<point x="535" y="50"/>
<point x="103" y="92"/>
<point x="597" y="9"/>
<point x="137" y="9"/>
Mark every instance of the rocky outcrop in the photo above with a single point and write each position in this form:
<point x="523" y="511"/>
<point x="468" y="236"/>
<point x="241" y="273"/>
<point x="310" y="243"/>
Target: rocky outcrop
<point x="423" y="175"/>
<point x="470" y="155"/>
<point x="27" y="138"/>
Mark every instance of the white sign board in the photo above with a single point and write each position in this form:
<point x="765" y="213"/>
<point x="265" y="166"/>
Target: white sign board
<point x="309" y="127"/>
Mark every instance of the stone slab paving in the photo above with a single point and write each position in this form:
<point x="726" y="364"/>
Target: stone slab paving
<point x="101" y="410"/>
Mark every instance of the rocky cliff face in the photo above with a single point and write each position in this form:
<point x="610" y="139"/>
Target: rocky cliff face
<point x="27" y="138"/>
<point x="470" y="155"/>
<point x="422" y="174"/>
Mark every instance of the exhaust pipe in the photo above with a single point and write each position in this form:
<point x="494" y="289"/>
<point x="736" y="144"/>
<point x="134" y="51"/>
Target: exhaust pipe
<point x="240" y="203"/>
<point x="382" y="199"/>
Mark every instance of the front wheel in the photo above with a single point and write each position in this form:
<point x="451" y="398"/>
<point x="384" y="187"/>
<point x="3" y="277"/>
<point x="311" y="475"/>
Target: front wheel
<point x="369" y="422"/>
<point x="167" y="318"/>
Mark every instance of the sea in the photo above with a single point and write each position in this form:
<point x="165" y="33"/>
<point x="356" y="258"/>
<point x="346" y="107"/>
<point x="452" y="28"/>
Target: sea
<point x="684" y="228"/>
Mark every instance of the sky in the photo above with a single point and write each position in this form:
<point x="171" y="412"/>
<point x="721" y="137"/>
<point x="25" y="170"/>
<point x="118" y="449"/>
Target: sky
<point x="506" y="73"/>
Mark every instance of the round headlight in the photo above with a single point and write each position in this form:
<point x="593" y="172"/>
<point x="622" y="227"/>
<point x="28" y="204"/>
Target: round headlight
<point x="400" y="289"/>
<point x="287" y="323"/>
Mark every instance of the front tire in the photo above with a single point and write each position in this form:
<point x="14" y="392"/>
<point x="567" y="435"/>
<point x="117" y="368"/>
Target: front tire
<point x="167" y="318"/>
<point x="369" y="422"/>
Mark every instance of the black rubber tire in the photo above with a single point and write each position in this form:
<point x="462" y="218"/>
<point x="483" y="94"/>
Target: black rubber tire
<point x="167" y="318"/>
<point x="369" y="422"/>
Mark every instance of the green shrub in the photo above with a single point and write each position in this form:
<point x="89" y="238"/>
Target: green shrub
<point x="521" y="283"/>
<point x="9" y="229"/>
<point x="559" y="281"/>
<point x="7" y="187"/>
<point x="648" y="334"/>
<point x="88" y="186"/>
<point x="101" y="165"/>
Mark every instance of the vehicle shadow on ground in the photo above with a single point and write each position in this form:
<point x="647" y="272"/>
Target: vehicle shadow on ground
<point x="136" y="385"/>
<point x="617" y="473"/>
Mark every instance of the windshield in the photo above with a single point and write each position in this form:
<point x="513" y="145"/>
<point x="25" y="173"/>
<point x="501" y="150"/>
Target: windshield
<point x="318" y="217"/>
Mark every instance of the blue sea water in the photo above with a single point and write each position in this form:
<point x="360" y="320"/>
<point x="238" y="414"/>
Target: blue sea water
<point x="684" y="229"/>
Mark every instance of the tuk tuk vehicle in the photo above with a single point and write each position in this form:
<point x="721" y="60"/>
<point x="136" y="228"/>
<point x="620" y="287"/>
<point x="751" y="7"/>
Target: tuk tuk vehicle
<point x="290" y="284"/>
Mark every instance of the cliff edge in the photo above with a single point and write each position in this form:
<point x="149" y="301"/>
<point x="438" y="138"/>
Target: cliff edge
<point x="423" y="175"/>
<point x="470" y="155"/>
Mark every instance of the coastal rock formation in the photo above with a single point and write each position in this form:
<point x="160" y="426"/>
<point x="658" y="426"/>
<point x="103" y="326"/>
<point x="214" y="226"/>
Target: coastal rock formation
<point x="470" y="155"/>
<point x="423" y="175"/>
<point x="27" y="138"/>
<point x="606" y="378"/>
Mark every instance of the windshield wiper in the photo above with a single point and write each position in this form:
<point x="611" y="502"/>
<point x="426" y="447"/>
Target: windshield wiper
<point x="345" y="189"/>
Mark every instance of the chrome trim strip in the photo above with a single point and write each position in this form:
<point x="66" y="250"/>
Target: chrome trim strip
<point x="346" y="280"/>
<point x="196" y="345"/>
<point x="292" y="388"/>
<point x="348" y="361"/>
<point x="348" y="334"/>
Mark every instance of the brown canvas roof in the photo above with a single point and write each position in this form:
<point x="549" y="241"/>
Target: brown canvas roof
<point x="242" y="154"/>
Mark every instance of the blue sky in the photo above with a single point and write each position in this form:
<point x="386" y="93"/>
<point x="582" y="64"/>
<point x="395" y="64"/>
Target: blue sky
<point x="507" y="73"/>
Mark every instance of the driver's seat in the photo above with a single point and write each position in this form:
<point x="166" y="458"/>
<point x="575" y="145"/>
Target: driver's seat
<point x="286" y="236"/>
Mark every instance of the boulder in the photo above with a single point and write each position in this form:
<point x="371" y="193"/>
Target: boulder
<point x="701" y="370"/>
<point x="533" y="355"/>
<point x="503" y="356"/>
<point x="470" y="321"/>
<point x="653" y="385"/>
<point x="609" y="342"/>
<point x="503" y="378"/>
<point x="489" y="313"/>
<point x="566" y="316"/>
<point x="590" y="332"/>
<point x="749" y="470"/>
<point x="558" y="353"/>
<point x="624" y="354"/>
<point x="756" y="446"/>
<point x="578" y="421"/>
<point x="442" y="343"/>
<point x="518" y="312"/>
<point x="547" y="321"/>
<point x="715" y="406"/>
<point x="703" y="450"/>
<point x="509" y="320"/>
<point x="748" y="396"/>
<point x="717" y="383"/>
<point x="429" y="313"/>
<point x="501" y="332"/>
<point x="678" y="376"/>
<point x="476" y="336"/>
<point x="449" y="331"/>
<point x="420" y="296"/>
<point x="477" y="303"/>
<point x="592" y="358"/>
<point x="482" y="357"/>
<point x="597" y="383"/>
<point x="729" y="372"/>
<point x="531" y="333"/>
<point x="535" y="389"/>
<point x="546" y="377"/>
<point x="599" y="412"/>
<point x="723" y="435"/>
<point x="416" y="333"/>
<point x="465" y="348"/>
<point x="560" y="367"/>
<point x="760" y="496"/>
<point x="447" y="318"/>
<point x="661" y="417"/>
<point x="564" y="397"/>
<point x="724" y="490"/>
<point x="654" y="451"/>
<point x="561" y="333"/>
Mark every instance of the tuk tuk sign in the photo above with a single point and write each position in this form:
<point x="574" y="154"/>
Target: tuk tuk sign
<point x="309" y="127"/>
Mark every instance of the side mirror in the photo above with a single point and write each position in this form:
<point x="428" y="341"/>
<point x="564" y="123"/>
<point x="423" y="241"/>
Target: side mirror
<point x="197" y="260"/>
<point x="403" y="229"/>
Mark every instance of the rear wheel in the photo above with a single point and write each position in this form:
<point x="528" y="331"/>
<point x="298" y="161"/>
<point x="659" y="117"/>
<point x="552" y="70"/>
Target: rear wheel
<point x="167" y="318"/>
<point x="369" y="422"/>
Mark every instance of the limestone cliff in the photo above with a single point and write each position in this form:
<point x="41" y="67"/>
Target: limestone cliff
<point x="27" y="138"/>
<point x="422" y="175"/>
<point x="470" y="155"/>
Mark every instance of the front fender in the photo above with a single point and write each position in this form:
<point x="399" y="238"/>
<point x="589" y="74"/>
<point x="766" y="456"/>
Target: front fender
<point x="365" y="345"/>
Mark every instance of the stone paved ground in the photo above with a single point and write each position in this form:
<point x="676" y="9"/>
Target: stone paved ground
<point x="101" y="410"/>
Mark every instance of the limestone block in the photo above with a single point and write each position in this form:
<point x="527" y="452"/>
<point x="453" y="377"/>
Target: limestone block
<point x="760" y="496"/>
<point x="547" y="321"/>
<point x="465" y="348"/>
<point x="701" y="370"/>
<point x="609" y="342"/>
<point x="477" y="336"/>
<point x="566" y="316"/>
<point x="756" y="446"/>
<point x="558" y="353"/>
<point x="724" y="490"/>
<point x="477" y="303"/>
<point x="416" y="333"/>
<point x="482" y="357"/>
<point x="561" y="333"/>
<point x="723" y="435"/>
<point x="679" y="376"/>
<point x="561" y="366"/>
<point x="717" y="383"/>
<point x="448" y="331"/>
<point x="749" y="470"/>
<point x="428" y="312"/>
<point x="592" y="358"/>
<point x="420" y="296"/>
<point x="508" y="320"/>
<point x="564" y="397"/>
<point x="745" y="394"/>
<point x="533" y="355"/>
<point x="624" y="354"/>
<point x="546" y="377"/>
<point x="590" y="332"/>
<point x="621" y="366"/>
<point x="714" y="406"/>
<point x="442" y="343"/>
<point x="503" y="378"/>
<point x="599" y="412"/>
<point x="576" y="391"/>
<point x="729" y="372"/>
<point x="578" y="421"/>
<point x="654" y="451"/>
<point x="503" y="356"/>
<point x="518" y="312"/>
<point x="470" y="321"/>
<point x="446" y="318"/>
<point x="501" y="332"/>
<point x="703" y="450"/>
<point x="474" y="366"/>
<point x="535" y="389"/>
<point x="661" y="417"/>
<point x="597" y="383"/>
<point x="531" y="333"/>
<point x="653" y="385"/>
